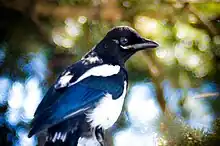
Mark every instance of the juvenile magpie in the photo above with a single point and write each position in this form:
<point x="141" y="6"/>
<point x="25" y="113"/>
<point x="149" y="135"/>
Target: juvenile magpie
<point x="88" y="96"/>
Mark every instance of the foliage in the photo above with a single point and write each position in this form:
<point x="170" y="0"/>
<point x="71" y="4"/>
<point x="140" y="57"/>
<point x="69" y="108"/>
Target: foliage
<point x="176" y="133"/>
<point x="40" y="38"/>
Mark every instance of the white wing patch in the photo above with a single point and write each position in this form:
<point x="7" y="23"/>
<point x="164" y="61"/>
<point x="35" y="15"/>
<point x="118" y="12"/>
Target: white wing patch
<point x="101" y="70"/>
<point x="107" y="110"/>
<point x="64" y="80"/>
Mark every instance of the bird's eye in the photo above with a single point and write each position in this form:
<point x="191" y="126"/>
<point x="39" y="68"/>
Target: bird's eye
<point x="123" y="40"/>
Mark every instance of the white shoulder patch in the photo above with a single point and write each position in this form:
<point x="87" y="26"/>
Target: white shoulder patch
<point x="107" y="110"/>
<point x="101" y="70"/>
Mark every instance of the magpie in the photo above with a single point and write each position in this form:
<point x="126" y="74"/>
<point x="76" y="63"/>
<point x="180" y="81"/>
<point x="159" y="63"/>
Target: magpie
<point x="88" y="96"/>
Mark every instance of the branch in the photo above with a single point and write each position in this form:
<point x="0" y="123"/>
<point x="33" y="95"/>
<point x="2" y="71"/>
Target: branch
<point x="204" y="21"/>
<point x="157" y="76"/>
<point x="206" y="95"/>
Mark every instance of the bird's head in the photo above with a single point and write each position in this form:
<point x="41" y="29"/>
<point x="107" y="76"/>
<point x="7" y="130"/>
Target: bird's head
<point x="121" y="43"/>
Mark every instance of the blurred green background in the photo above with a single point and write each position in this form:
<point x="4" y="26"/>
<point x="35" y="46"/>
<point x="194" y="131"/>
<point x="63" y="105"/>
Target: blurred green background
<point x="173" y="94"/>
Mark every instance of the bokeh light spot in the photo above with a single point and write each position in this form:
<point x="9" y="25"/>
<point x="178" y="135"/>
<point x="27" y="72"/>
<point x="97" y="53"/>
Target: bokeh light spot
<point x="82" y="19"/>
<point x="193" y="61"/>
<point x="16" y="95"/>
<point x="33" y="98"/>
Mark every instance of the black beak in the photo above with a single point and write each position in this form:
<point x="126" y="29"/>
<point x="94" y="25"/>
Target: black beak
<point x="144" y="44"/>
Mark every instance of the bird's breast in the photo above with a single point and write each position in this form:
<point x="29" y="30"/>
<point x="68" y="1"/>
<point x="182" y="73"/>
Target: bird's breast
<point x="107" y="110"/>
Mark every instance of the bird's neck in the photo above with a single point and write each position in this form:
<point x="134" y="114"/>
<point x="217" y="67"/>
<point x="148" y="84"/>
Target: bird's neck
<point x="96" y="58"/>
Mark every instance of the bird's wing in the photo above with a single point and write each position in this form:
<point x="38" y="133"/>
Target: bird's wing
<point x="71" y="76"/>
<point x="59" y="105"/>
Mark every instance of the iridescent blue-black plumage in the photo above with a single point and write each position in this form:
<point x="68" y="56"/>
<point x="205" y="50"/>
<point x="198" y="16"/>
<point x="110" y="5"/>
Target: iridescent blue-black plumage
<point x="72" y="110"/>
<point x="59" y="103"/>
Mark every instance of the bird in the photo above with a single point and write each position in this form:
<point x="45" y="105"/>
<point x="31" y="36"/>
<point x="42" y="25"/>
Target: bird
<point x="87" y="97"/>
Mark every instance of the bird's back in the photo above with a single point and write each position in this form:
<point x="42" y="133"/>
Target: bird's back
<point x="81" y="100"/>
